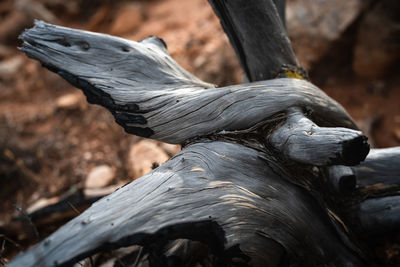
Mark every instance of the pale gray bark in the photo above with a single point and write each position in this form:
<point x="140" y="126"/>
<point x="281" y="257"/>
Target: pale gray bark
<point x="301" y="140"/>
<point x="228" y="196"/>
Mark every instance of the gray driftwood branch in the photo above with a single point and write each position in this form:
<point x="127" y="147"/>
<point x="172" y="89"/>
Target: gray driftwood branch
<point x="150" y="95"/>
<point x="301" y="140"/>
<point x="378" y="185"/>
<point x="228" y="196"/>
<point x="245" y="190"/>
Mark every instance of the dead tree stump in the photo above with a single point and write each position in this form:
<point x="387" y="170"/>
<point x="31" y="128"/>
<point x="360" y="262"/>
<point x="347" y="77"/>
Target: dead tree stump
<point x="268" y="174"/>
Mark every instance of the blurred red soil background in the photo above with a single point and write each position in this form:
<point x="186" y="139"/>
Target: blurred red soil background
<point x="53" y="143"/>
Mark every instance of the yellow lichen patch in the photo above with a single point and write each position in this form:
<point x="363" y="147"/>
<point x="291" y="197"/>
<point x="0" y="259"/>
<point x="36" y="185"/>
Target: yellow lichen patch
<point x="293" y="74"/>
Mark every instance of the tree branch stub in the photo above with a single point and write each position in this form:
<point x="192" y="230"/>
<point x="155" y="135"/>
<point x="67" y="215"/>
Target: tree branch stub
<point x="301" y="140"/>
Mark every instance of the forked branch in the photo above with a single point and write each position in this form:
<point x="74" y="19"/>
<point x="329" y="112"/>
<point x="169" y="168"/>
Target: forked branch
<point x="152" y="96"/>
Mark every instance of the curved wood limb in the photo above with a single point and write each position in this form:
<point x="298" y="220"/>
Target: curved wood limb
<point x="222" y="194"/>
<point x="376" y="216"/>
<point x="377" y="207"/>
<point x="256" y="30"/>
<point x="151" y="96"/>
<point x="380" y="172"/>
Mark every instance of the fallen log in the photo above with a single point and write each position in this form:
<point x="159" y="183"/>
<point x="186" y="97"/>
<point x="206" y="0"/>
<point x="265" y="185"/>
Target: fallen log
<point x="181" y="110"/>
<point x="222" y="194"/>
<point x="245" y="190"/>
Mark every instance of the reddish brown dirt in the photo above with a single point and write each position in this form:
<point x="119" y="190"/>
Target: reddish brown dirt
<point x="47" y="148"/>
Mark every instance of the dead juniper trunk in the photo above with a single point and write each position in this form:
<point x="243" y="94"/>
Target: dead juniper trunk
<point x="269" y="172"/>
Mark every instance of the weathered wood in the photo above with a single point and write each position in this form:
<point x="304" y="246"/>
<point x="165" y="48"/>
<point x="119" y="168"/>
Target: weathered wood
<point x="374" y="208"/>
<point x="225" y="195"/>
<point x="301" y="140"/>
<point x="46" y="215"/>
<point x="376" y="216"/>
<point x="281" y="8"/>
<point x="342" y="179"/>
<point x="151" y="96"/>
<point x="232" y="198"/>
<point x="256" y="30"/>
<point x="380" y="173"/>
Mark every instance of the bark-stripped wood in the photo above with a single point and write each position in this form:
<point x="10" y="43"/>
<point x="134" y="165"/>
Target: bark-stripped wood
<point x="378" y="187"/>
<point x="376" y="216"/>
<point x="189" y="196"/>
<point x="256" y="30"/>
<point x="151" y="96"/>
<point x="380" y="173"/>
<point x="281" y="8"/>
<point x="301" y="140"/>
<point x="342" y="179"/>
<point x="237" y="198"/>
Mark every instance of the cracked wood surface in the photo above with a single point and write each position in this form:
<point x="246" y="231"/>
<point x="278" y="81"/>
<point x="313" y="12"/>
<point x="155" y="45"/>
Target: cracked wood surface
<point x="189" y="196"/>
<point x="378" y="187"/>
<point x="150" y="95"/>
<point x="299" y="139"/>
<point x="256" y="30"/>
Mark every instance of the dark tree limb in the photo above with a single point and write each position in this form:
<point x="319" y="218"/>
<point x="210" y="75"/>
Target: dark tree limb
<point x="380" y="173"/>
<point x="301" y="140"/>
<point x="375" y="207"/>
<point x="281" y="8"/>
<point x="342" y="179"/>
<point x="256" y="30"/>
<point x="375" y="216"/>
<point x="189" y="196"/>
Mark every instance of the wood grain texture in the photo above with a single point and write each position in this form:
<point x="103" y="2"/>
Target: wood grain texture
<point x="376" y="216"/>
<point x="256" y="30"/>
<point x="342" y="179"/>
<point x="281" y="8"/>
<point x="222" y="194"/>
<point x="151" y="96"/>
<point x="301" y="140"/>
<point x="380" y="172"/>
<point x="375" y="207"/>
